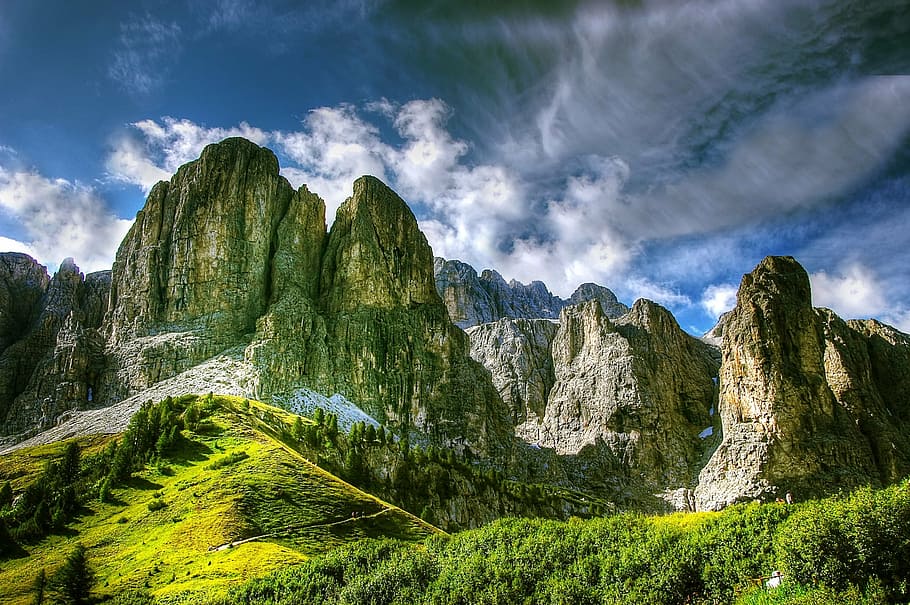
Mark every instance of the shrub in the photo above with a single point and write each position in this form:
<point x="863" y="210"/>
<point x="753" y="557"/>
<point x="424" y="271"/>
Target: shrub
<point x="156" y="504"/>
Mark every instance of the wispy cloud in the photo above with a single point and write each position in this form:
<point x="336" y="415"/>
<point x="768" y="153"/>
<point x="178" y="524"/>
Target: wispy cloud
<point x="61" y="219"/>
<point x="146" y="49"/>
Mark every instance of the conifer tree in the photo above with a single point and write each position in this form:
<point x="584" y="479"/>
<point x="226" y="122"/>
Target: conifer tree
<point x="73" y="581"/>
<point x="6" y="495"/>
<point x="69" y="467"/>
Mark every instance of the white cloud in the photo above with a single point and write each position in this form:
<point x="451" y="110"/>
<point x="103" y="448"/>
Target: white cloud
<point x="719" y="298"/>
<point x="62" y="219"/>
<point x="13" y="245"/>
<point x="129" y="162"/>
<point x="146" y="47"/>
<point x="666" y="295"/>
<point x="334" y="148"/>
<point x="163" y="147"/>
<point x="853" y="292"/>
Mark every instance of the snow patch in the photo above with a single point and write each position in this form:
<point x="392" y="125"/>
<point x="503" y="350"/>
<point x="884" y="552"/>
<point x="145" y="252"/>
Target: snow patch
<point x="305" y="401"/>
<point x="706" y="433"/>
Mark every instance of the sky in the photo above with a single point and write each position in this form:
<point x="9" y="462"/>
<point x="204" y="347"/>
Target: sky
<point x="660" y="148"/>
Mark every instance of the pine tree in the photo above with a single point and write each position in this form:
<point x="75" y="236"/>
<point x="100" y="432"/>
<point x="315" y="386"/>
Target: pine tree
<point x="297" y="430"/>
<point x="8" y="545"/>
<point x="6" y="495"/>
<point x="73" y="581"/>
<point x="369" y="434"/>
<point x="319" y="416"/>
<point x="69" y="467"/>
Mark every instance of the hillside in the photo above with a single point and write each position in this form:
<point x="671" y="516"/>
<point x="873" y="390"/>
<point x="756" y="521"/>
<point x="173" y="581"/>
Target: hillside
<point x="231" y="502"/>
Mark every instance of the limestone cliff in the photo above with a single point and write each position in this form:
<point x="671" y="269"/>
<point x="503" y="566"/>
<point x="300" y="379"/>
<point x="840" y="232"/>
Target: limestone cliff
<point x="51" y="354"/>
<point x="623" y="401"/>
<point x="473" y="300"/>
<point x="800" y="396"/>
<point x="226" y="258"/>
<point x="517" y="354"/>
<point x="193" y="274"/>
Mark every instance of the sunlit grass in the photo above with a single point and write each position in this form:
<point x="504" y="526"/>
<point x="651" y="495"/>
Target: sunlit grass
<point x="302" y="510"/>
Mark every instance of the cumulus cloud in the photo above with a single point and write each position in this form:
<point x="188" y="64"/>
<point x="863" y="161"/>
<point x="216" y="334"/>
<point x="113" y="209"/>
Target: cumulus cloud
<point x="718" y="299"/>
<point x="854" y="291"/>
<point x="334" y="147"/>
<point x="146" y="47"/>
<point x="61" y="219"/>
<point x="857" y="291"/>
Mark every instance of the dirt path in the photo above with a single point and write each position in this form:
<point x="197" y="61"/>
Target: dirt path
<point x="290" y="529"/>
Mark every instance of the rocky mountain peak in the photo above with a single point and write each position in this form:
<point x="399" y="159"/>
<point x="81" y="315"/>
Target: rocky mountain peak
<point x="777" y="281"/>
<point x="590" y="291"/>
<point x="472" y="300"/>
<point x="376" y="249"/>
<point x="788" y="405"/>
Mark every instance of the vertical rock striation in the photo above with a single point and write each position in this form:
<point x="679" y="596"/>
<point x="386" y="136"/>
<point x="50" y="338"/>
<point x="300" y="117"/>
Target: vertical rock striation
<point x="622" y="401"/>
<point x="801" y="408"/>
<point x="52" y="354"/>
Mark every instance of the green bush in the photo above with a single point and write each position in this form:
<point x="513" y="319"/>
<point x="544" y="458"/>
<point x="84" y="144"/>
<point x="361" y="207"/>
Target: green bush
<point x="849" y="542"/>
<point x="857" y="545"/>
<point x="156" y="504"/>
<point x="232" y="458"/>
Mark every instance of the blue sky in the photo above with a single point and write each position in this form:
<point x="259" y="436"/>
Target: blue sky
<point x="657" y="147"/>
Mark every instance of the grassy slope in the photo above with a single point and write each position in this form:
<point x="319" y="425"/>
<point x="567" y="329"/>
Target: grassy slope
<point x="303" y="509"/>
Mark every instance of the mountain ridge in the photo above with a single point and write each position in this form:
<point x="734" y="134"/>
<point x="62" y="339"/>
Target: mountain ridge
<point x="230" y="280"/>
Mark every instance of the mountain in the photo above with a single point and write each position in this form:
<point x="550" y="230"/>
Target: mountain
<point x="473" y="300"/>
<point x="227" y="265"/>
<point x="624" y="402"/>
<point x="50" y="340"/>
<point x="230" y="282"/>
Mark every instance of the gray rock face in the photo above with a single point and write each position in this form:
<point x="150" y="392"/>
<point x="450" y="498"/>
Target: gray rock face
<point x="627" y="398"/>
<point x="198" y="262"/>
<point x="473" y="300"/>
<point x="52" y="354"/>
<point x="801" y="396"/>
<point x="517" y="352"/>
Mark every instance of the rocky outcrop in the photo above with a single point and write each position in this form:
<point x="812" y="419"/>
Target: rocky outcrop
<point x="473" y="300"/>
<point x="391" y="346"/>
<point x="52" y="354"/>
<point x="800" y="404"/>
<point x="612" y="308"/>
<point x="623" y="402"/>
<point x="517" y="354"/>
<point x="196" y="265"/>
<point x="228" y="258"/>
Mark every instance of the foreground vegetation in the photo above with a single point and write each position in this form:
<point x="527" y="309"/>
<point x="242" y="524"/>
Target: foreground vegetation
<point x="853" y="550"/>
<point x="213" y="500"/>
<point x="196" y="496"/>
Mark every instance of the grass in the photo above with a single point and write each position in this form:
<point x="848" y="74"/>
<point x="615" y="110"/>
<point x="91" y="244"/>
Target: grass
<point x="265" y="489"/>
